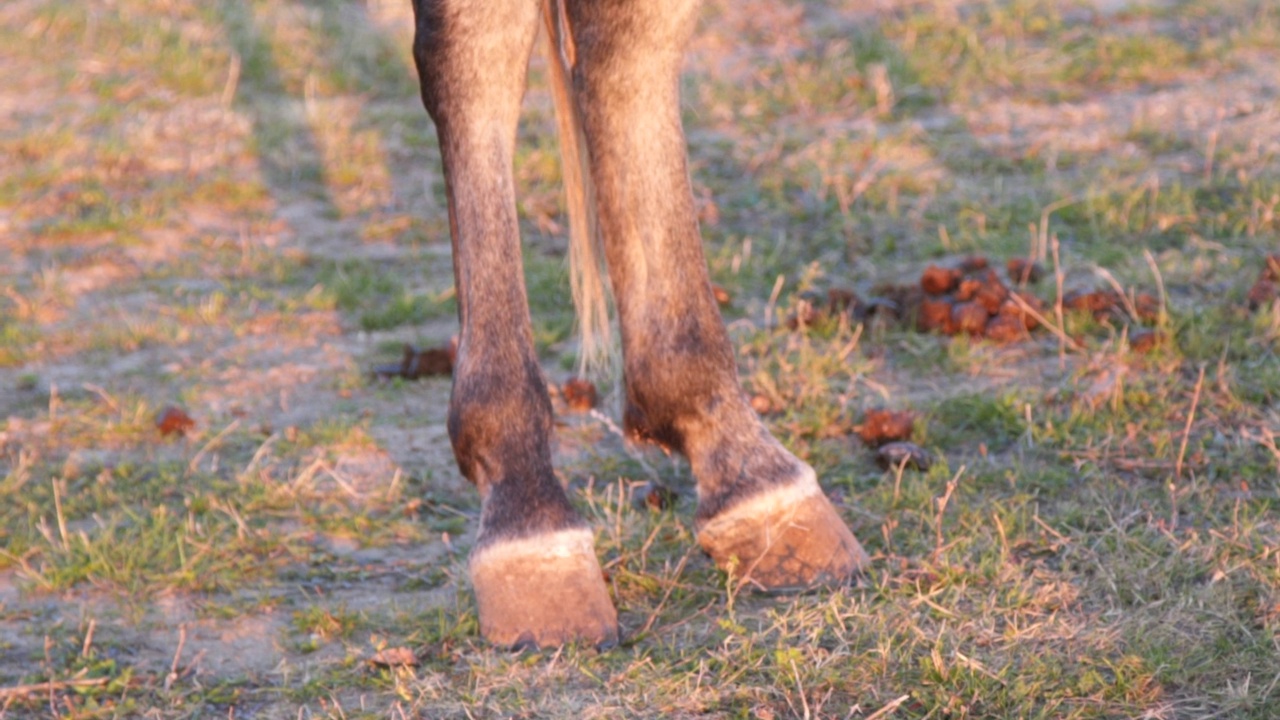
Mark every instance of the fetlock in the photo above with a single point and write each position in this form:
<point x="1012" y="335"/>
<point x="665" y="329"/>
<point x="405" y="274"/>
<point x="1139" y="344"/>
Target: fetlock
<point x="760" y="508"/>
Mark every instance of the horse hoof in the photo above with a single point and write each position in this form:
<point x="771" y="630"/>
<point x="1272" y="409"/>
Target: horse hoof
<point x="784" y="539"/>
<point x="543" y="591"/>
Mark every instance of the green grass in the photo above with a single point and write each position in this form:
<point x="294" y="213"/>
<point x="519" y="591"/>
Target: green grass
<point x="377" y="296"/>
<point x="237" y="209"/>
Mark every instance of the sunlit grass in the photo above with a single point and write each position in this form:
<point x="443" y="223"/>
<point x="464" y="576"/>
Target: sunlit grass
<point x="237" y="209"/>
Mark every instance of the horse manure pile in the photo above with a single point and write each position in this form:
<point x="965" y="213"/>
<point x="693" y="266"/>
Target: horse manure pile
<point x="970" y="297"/>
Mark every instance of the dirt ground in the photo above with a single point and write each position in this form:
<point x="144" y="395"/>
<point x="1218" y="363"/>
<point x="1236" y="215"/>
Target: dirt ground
<point x="224" y="208"/>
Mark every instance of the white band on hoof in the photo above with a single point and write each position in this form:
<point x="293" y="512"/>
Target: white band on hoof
<point x="787" y="538"/>
<point x="767" y="503"/>
<point x="573" y="542"/>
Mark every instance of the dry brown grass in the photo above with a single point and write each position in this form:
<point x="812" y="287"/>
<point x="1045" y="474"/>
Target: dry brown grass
<point x="233" y="208"/>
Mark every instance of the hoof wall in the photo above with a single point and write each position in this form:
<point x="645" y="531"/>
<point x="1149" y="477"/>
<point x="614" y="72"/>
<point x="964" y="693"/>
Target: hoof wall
<point x="543" y="591"/>
<point x="786" y="539"/>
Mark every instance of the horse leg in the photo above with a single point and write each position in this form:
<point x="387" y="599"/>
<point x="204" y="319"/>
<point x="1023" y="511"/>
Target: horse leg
<point x="536" y="577"/>
<point x="757" y="502"/>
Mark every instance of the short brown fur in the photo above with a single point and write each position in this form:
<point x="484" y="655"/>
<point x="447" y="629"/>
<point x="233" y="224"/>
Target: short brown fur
<point x="619" y="63"/>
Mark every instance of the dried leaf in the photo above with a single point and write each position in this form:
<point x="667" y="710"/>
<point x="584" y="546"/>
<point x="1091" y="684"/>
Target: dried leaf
<point x="880" y="426"/>
<point x="394" y="657"/>
<point x="659" y="497"/>
<point x="579" y="395"/>
<point x="422" y="363"/>
<point x="174" y="421"/>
